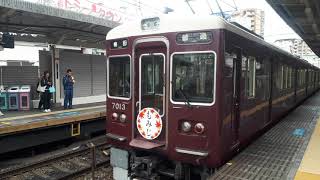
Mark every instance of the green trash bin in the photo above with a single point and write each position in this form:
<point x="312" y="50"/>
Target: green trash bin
<point x="3" y="100"/>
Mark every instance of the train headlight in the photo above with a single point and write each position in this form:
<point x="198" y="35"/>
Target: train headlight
<point x="186" y="126"/>
<point x="115" y="116"/>
<point x="115" y="44"/>
<point x="125" y="43"/>
<point x="119" y="44"/>
<point x="199" y="128"/>
<point x="123" y="118"/>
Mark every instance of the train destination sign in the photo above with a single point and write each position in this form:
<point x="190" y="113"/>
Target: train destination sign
<point x="149" y="123"/>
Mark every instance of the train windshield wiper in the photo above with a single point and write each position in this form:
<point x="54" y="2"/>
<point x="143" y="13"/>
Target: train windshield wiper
<point x="185" y="97"/>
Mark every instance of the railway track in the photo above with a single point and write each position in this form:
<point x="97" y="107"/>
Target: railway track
<point x="71" y="164"/>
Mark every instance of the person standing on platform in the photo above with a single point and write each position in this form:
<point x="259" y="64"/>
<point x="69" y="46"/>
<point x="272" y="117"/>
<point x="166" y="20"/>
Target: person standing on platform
<point x="39" y="90"/>
<point x="46" y="83"/>
<point x="68" y="82"/>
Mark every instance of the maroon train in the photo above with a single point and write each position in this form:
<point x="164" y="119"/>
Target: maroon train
<point x="191" y="93"/>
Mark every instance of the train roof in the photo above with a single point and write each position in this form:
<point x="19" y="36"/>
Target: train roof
<point x="175" y="23"/>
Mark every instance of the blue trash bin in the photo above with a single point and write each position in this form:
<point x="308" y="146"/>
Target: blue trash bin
<point x="13" y="98"/>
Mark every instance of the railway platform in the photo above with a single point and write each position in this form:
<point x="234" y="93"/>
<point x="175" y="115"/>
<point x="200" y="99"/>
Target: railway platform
<point x="289" y="150"/>
<point x="19" y="130"/>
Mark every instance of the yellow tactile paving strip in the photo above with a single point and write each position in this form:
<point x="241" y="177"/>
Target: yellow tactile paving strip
<point x="310" y="166"/>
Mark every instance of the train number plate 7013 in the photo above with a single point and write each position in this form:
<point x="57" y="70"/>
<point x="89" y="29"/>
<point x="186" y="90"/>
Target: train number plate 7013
<point x="118" y="106"/>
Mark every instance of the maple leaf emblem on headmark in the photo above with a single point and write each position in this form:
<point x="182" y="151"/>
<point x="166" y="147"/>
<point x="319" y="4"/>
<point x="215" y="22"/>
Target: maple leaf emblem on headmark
<point x="158" y="124"/>
<point x="141" y="115"/>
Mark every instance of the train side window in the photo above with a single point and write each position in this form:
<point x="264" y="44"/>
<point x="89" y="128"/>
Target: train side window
<point x="228" y="66"/>
<point x="251" y="77"/>
<point x="284" y="77"/>
<point x="289" y="77"/>
<point x="281" y="77"/>
<point x="301" y="76"/>
<point x="298" y="77"/>
<point x="244" y="66"/>
<point x="277" y="76"/>
<point x="304" y="76"/>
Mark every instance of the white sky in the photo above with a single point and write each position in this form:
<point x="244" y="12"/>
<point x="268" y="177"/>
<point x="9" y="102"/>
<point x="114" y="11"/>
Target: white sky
<point x="275" y="27"/>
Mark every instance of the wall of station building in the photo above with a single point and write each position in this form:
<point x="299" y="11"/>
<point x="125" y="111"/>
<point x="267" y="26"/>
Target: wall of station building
<point x="89" y="72"/>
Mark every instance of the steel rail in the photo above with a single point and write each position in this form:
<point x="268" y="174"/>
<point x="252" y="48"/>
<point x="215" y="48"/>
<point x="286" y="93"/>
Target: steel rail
<point x="41" y="163"/>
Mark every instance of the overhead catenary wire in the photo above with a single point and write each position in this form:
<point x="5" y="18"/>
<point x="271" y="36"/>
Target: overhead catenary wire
<point x="136" y="4"/>
<point x="234" y="7"/>
<point x="187" y="1"/>
<point x="211" y="10"/>
<point x="222" y="14"/>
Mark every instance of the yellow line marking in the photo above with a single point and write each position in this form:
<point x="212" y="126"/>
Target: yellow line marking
<point x="50" y="113"/>
<point x="6" y="123"/>
<point x="309" y="168"/>
<point x="306" y="176"/>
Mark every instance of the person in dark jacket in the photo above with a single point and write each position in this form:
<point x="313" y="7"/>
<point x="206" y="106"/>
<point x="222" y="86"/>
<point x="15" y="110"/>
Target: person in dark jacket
<point x="41" y="94"/>
<point x="68" y="82"/>
<point x="45" y="82"/>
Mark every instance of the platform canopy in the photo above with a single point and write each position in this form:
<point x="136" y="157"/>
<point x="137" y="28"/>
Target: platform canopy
<point x="303" y="16"/>
<point x="36" y="22"/>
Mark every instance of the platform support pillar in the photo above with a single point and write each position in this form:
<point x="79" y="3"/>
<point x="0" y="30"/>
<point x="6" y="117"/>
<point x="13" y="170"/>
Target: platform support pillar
<point x="56" y="74"/>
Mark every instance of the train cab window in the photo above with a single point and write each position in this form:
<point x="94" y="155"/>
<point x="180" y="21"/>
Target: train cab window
<point x="119" y="77"/>
<point x="193" y="77"/>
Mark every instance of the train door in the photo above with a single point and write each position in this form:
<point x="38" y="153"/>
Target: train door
<point x="149" y="92"/>
<point x="236" y="95"/>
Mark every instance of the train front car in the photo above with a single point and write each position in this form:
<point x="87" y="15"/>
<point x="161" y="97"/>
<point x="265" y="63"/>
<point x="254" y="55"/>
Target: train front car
<point x="161" y="104"/>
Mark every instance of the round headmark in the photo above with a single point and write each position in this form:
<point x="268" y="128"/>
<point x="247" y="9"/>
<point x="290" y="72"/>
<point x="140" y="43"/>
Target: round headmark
<point x="149" y="123"/>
